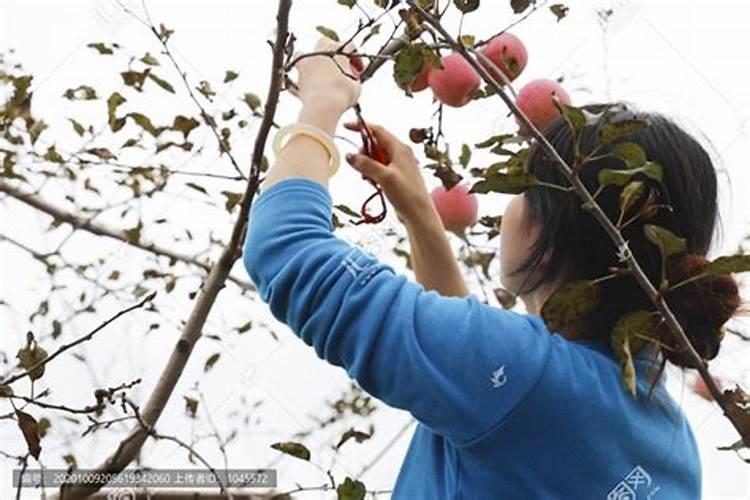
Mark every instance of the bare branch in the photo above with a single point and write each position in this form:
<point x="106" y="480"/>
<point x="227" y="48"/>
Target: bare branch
<point x="129" y="448"/>
<point x="78" y="341"/>
<point x="99" y="229"/>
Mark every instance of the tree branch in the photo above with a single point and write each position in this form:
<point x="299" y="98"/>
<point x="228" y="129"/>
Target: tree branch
<point x="132" y="444"/>
<point x="99" y="229"/>
<point x="76" y="342"/>
<point x="590" y="204"/>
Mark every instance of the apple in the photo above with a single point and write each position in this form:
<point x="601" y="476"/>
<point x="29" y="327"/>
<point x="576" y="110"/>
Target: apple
<point x="420" y="83"/>
<point x="508" y="53"/>
<point x="455" y="82"/>
<point x="701" y="389"/>
<point x="535" y="100"/>
<point x="457" y="207"/>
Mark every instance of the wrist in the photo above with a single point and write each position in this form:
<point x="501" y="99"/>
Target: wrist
<point x="322" y="112"/>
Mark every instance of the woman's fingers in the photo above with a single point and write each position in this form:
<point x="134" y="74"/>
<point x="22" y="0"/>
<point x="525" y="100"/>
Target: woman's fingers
<point x="389" y="142"/>
<point x="369" y="167"/>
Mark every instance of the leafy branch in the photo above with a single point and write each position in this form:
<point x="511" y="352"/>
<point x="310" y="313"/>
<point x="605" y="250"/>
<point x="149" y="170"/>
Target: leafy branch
<point x="731" y="400"/>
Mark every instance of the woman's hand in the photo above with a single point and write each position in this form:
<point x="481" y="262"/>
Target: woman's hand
<point x="327" y="79"/>
<point x="401" y="181"/>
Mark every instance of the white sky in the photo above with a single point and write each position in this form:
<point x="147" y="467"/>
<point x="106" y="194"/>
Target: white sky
<point x="685" y="58"/>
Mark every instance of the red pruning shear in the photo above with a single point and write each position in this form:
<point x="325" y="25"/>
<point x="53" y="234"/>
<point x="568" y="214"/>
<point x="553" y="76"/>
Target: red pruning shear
<point x="372" y="149"/>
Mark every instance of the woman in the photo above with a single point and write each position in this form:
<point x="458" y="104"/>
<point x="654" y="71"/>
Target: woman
<point x="506" y="408"/>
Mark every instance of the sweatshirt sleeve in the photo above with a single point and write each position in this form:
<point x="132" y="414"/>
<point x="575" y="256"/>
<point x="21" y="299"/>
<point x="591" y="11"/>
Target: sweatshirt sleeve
<point x="457" y="365"/>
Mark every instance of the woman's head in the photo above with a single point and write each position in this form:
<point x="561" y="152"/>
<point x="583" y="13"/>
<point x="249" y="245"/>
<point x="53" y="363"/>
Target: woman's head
<point x="547" y="238"/>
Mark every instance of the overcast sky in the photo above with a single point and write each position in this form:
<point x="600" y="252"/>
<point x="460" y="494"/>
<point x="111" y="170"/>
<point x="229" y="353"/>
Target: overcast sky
<point x="684" y="58"/>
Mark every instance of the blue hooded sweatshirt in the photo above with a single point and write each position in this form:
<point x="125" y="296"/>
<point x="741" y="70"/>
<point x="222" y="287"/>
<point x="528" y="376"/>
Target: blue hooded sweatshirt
<point x="506" y="409"/>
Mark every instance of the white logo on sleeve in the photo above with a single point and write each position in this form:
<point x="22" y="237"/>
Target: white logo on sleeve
<point x="499" y="378"/>
<point x="628" y="489"/>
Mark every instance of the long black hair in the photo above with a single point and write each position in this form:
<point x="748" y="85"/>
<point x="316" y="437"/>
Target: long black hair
<point x="577" y="247"/>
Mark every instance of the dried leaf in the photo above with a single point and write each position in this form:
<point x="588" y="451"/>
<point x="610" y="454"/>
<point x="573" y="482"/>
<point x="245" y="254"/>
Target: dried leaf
<point x="292" y="448"/>
<point x="570" y="302"/>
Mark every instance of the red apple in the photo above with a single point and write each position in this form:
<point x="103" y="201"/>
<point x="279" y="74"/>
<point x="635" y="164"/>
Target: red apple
<point x="455" y="82"/>
<point x="508" y="53"/>
<point x="457" y="207"/>
<point x="701" y="389"/>
<point x="420" y="83"/>
<point x="535" y="100"/>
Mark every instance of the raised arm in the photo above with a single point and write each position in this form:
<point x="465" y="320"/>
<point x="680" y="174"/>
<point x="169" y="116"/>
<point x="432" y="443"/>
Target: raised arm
<point x="459" y="366"/>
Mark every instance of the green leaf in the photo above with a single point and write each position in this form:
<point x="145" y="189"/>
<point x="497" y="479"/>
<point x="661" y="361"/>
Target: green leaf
<point x="245" y="328"/>
<point x="30" y="430"/>
<point x="728" y="264"/>
<point x="101" y="48"/>
<point x="191" y="406"/>
<point x="232" y="199"/>
<point x="70" y="460"/>
<point x="36" y="129"/>
<point x="56" y="329"/>
<point x="519" y="6"/>
<point x="609" y="176"/>
<point x="252" y="100"/>
<point x="230" y="75"/>
<point x="162" y="83"/>
<point x="348" y="211"/>
<point x="570" y="302"/>
<point x="348" y="3"/>
<point x="358" y="436"/>
<point x="409" y="61"/>
<point x="164" y="33"/>
<point x="374" y="30"/>
<point x="630" y="194"/>
<point x="351" y="490"/>
<point x="205" y="89"/>
<point x="491" y="141"/>
<point x="144" y="122"/>
<point x="53" y="156"/>
<point x="80" y="130"/>
<point x="133" y="234"/>
<point x="80" y="93"/>
<point x="292" y="448"/>
<point x="184" y="124"/>
<point x="631" y="153"/>
<point x="466" y="6"/>
<point x="628" y="336"/>
<point x="30" y="355"/>
<point x="103" y="153"/>
<point x="505" y="183"/>
<point x="211" y="361"/>
<point x="559" y="10"/>
<point x="113" y="102"/>
<point x="134" y="79"/>
<point x="613" y="131"/>
<point x="149" y="60"/>
<point x="43" y="426"/>
<point x="574" y="116"/>
<point x="328" y="32"/>
<point x="465" y="157"/>
<point x="668" y="242"/>
<point x="197" y="187"/>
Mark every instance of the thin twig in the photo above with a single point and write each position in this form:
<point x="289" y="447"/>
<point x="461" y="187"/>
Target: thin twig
<point x="78" y="341"/>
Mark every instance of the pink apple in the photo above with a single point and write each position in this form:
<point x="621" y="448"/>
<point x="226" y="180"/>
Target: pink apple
<point x="457" y="207"/>
<point x="535" y="100"/>
<point x="420" y="83"/>
<point x="455" y="82"/>
<point x="508" y="53"/>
